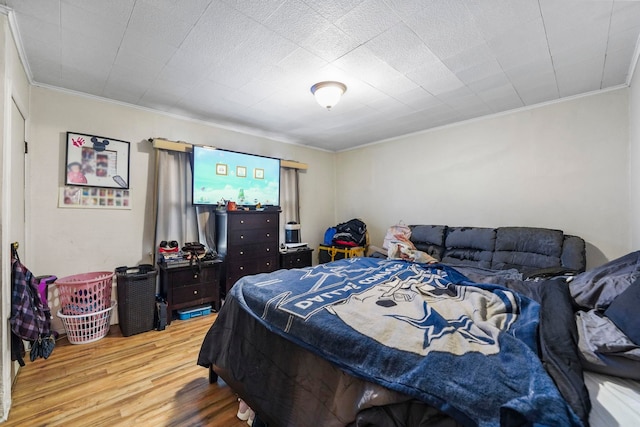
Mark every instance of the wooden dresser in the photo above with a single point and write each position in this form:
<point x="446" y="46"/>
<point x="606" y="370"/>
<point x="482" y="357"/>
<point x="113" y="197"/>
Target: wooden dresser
<point x="248" y="243"/>
<point x="189" y="286"/>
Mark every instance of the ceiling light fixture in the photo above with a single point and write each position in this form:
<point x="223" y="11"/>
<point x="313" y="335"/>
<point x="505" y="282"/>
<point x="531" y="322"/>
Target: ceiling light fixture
<point x="328" y="93"/>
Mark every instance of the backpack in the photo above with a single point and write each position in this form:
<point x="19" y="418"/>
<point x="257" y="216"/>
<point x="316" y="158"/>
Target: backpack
<point x="30" y="317"/>
<point x="328" y="235"/>
<point x="351" y="233"/>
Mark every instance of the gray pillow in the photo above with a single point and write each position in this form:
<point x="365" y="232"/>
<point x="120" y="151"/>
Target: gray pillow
<point x="623" y="312"/>
<point x="598" y="287"/>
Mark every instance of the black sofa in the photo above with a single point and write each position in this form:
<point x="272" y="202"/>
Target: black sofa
<point x="532" y="251"/>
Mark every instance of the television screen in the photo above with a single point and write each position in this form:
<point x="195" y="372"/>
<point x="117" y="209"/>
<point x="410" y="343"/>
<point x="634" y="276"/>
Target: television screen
<point x="246" y="179"/>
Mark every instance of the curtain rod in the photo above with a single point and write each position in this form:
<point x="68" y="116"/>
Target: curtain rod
<point x="185" y="147"/>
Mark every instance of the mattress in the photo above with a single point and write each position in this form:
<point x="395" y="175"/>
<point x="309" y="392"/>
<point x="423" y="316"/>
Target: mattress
<point x="616" y="401"/>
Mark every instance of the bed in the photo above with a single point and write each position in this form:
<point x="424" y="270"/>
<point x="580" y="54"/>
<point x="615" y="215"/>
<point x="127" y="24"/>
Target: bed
<point x="372" y="341"/>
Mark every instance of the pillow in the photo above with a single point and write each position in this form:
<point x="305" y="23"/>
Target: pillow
<point x="623" y="312"/>
<point x="598" y="287"/>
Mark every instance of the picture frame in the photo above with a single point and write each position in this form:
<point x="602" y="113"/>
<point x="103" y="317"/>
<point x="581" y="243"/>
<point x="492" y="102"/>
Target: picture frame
<point x="258" y="173"/>
<point x="96" y="161"/>
<point x="221" y="169"/>
<point x="94" y="198"/>
<point x="241" y="171"/>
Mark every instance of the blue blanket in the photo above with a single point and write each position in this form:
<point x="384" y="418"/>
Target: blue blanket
<point x="467" y="349"/>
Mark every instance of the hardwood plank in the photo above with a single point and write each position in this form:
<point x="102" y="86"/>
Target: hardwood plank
<point x="145" y="379"/>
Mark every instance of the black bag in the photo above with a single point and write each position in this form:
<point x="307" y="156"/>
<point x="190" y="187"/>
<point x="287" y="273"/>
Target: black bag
<point x="351" y="233"/>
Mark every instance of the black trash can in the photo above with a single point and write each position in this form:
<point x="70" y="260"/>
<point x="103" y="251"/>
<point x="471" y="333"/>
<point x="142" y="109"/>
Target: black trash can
<point x="136" y="298"/>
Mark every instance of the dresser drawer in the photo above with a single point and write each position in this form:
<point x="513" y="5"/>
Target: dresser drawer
<point x="251" y="236"/>
<point x="189" y="276"/>
<point x="245" y="267"/>
<point x="239" y="221"/>
<point x="296" y="259"/>
<point x="242" y="252"/>
<point x="189" y="294"/>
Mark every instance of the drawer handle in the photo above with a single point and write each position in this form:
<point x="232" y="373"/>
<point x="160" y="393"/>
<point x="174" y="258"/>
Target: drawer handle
<point x="241" y="236"/>
<point x="242" y="221"/>
<point x="195" y="292"/>
<point x="241" y="252"/>
<point x="241" y="268"/>
<point x="268" y="249"/>
<point x="195" y="276"/>
<point x="268" y="264"/>
<point x="268" y="220"/>
<point x="268" y="234"/>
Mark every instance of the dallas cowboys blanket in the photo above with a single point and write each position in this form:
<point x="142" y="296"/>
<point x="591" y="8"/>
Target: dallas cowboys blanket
<point x="467" y="349"/>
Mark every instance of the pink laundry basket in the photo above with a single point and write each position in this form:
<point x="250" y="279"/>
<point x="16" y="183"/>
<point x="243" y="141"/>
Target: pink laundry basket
<point x="85" y="293"/>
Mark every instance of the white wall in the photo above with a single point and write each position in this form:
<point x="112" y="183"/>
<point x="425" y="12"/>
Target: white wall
<point x="634" y="158"/>
<point x="69" y="241"/>
<point x="562" y="165"/>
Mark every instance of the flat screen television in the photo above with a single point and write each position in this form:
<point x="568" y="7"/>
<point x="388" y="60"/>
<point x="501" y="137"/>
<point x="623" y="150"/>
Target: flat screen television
<point x="246" y="179"/>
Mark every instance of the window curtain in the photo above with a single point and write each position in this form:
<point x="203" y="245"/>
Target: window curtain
<point x="289" y="198"/>
<point x="176" y="217"/>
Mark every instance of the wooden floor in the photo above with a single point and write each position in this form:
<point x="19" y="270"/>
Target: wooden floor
<point x="148" y="379"/>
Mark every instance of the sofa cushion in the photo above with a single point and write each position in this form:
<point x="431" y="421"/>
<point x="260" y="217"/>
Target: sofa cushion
<point x="469" y="246"/>
<point x="527" y="248"/>
<point x="429" y="239"/>
<point x="573" y="253"/>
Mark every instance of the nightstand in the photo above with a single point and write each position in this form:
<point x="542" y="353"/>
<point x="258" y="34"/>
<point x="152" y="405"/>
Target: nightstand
<point x="191" y="285"/>
<point x="296" y="258"/>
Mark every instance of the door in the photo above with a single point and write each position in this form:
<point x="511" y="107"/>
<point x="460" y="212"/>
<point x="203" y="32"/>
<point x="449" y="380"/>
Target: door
<point x="16" y="167"/>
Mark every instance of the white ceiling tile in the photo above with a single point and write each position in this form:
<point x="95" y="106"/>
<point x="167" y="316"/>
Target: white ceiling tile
<point x="257" y="10"/>
<point x="333" y="10"/>
<point x="405" y="8"/>
<point x="435" y="78"/>
<point x="186" y="11"/>
<point x="136" y="43"/>
<point x="446" y="27"/>
<point x="480" y="72"/>
<point x="363" y="63"/>
<point x="616" y="68"/>
<point x="47" y="72"/>
<point x="37" y="48"/>
<point x="532" y="95"/>
<point x="401" y="48"/>
<point x="165" y="26"/>
<point x="86" y="23"/>
<point x="580" y="77"/>
<point x="497" y="16"/>
<point x="296" y="21"/>
<point x="625" y="16"/>
<point x="397" y="85"/>
<point x="490" y="82"/>
<point x="330" y="43"/>
<point x="367" y="20"/>
<point x="45" y="10"/>
<point x="82" y="81"/>
<point x="418" y="99"/>
<point x="110" y="11"/>
<point x="264" y="47"/>
<point x="501" y="98"/>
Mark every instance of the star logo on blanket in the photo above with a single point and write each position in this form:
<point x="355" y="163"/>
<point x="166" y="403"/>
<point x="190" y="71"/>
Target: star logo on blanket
<point x="420" y="311"/>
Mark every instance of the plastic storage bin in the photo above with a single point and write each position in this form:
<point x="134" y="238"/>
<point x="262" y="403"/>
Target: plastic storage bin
<point x="188" y="313"/>
<point x="85" y="293"/>
<point x="86" y="328"/>
<point x="136" y="298"/>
